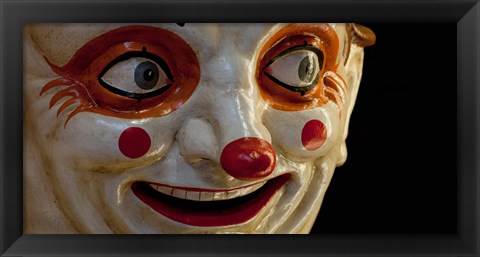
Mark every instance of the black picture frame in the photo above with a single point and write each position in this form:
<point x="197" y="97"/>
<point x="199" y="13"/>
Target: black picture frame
<point x="13" y="14"/>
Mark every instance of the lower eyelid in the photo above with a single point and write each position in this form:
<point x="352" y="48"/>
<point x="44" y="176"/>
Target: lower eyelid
<point x="135" y="95"/>
<point x="293" y="88"/>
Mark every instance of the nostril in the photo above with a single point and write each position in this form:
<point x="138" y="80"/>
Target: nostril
<point x="248" y="158"/>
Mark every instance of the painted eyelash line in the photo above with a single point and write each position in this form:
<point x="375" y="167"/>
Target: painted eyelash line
<point x="74" y="90"/>
<point x="335" y="89"/>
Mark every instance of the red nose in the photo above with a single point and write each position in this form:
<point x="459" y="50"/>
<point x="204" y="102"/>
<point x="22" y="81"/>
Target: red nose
<point x="248" y="158"/>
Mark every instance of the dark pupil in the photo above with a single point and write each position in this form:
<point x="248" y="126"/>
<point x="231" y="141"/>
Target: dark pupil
<point x="149" y="75"/>
<point x="306" y="69"/>
<point x="146" y="75"/>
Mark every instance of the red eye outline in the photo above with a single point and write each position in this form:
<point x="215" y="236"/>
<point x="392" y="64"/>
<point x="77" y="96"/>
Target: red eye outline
<point x="81" y="74"/>
<point x="320" y="36"/>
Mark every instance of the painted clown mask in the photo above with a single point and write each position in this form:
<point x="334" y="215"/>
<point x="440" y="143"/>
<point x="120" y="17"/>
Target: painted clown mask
<point x="185" y="128"/>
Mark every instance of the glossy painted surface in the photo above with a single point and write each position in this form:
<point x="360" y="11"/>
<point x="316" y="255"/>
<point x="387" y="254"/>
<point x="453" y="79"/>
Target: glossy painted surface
<point x="201" y="128"/>
<point x="248" y="158"/>
<point x="134" y="142"/>
<point x="84" y="74"/>
<point x="314" y="135"/>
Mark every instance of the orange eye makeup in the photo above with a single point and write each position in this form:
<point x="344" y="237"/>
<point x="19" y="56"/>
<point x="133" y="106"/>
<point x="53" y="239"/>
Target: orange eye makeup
<point x="292" y="67"/>
<point x="130" y="72"/>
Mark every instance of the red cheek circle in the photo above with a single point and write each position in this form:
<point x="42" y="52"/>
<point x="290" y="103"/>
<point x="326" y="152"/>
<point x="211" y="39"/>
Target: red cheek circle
<point x="314" y="135"/>
<point x="134" y="142"/>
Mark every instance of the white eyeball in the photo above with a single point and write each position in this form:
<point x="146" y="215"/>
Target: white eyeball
<point x="136" y="77"/>
<point x="296" y="69"/>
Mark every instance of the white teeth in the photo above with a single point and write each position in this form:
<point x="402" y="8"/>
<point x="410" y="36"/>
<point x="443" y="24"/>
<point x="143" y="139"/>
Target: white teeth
<point x="191" y="195"/>
<point x="219" y="196"/>
<point x="205" y="195"/>
<point x="162" y="189"/>
<point x="179" y="193"/>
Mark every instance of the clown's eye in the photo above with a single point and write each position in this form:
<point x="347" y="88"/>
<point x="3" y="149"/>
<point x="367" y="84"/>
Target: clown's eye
<point x="137" y="75"/>
<point x="296" y="69"/>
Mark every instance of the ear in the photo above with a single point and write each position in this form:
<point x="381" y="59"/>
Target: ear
<point x="360" y="37"/>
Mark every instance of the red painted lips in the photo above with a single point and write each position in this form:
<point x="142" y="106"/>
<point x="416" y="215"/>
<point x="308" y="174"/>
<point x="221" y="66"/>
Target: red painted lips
<point x="210" y="213"/>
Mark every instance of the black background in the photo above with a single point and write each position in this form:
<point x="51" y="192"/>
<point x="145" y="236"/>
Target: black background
<point x="400" y="174"/>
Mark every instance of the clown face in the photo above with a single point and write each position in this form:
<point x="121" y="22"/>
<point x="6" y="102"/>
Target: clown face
<point x="190" y="128"/>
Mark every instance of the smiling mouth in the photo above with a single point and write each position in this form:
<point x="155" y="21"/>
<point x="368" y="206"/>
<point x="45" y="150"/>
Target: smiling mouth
<point x="205" y="207"/>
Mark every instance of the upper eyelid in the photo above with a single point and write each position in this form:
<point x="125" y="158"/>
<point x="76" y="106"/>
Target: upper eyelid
<point x="132" y="54"/>
<point x="292" y="49"/>
<point x="322" y="36"/>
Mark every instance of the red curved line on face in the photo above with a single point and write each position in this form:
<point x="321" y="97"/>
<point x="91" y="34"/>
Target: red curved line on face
<point x="335" y="90"/>
<point x="90" y="60"/>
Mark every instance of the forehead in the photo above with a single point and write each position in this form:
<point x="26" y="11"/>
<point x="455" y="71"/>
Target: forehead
<point x="59" y="42"/>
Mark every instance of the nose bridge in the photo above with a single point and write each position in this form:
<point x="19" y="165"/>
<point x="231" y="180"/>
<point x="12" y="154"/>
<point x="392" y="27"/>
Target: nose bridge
<point x="227" y="68"/>
<point x="232" y="96"/>
<point x="236" y="115"/>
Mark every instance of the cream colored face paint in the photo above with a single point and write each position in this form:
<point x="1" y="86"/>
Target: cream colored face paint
<point x="142" y="157"/>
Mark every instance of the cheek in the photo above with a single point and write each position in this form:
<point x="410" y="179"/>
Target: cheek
<point x="304" y="135"/>
<point x="314" y="134"/>
<point x="134" y="142"/>
<point x="98" y="143"/>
